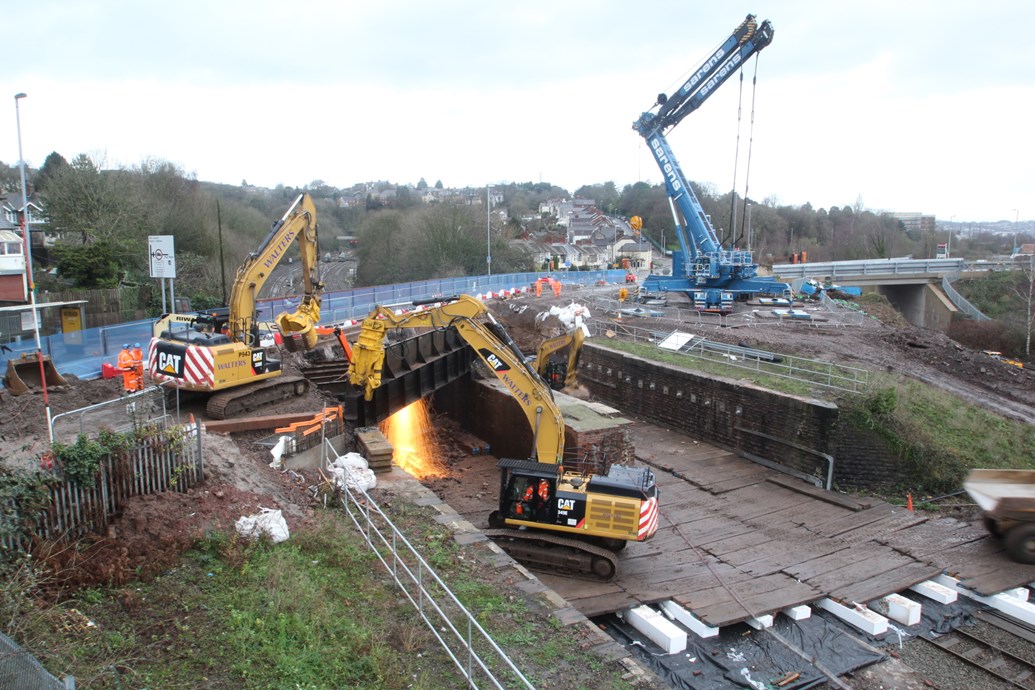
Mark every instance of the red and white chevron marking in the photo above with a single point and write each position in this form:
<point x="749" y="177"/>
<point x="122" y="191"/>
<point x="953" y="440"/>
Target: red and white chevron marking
<point x="648" y="519"/>
<point x="198" y="367"/>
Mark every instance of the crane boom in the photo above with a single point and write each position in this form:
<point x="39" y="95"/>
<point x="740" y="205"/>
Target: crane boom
<point x="707" y="272"/>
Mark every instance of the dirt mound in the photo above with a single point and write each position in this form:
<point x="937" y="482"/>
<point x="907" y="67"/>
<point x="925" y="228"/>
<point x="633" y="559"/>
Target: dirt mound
<point x="149" y="536"/>
<point x="528" y="321"/>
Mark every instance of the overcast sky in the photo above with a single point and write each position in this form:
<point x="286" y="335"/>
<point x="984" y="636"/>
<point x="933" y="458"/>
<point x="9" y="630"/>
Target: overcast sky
<point x="902" y="106"/>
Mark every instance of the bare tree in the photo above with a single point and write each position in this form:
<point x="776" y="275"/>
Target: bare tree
<point x="1025" y="290"/>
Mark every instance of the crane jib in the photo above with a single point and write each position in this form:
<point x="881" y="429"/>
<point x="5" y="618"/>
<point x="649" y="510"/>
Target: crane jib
<point x="703" y="72"/>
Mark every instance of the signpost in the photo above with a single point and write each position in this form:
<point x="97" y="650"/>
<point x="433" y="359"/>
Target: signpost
<point x="162" y="254"/>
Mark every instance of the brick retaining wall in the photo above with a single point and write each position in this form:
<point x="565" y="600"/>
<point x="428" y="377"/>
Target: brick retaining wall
<point x="791" y="430"/>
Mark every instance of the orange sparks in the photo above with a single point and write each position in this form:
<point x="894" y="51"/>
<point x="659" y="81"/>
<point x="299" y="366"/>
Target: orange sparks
<point x="416" y="446"/>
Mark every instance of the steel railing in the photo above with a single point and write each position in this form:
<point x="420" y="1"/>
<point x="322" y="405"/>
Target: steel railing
<point x="466" y="642"/>
<point x="20" y="669"/>
<point x="810" y="371"/>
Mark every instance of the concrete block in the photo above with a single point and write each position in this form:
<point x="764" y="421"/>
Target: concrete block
<point x="935" y="592"/>
<point x="761" y="622"/>
<point x="1010" y="605"/>
<point x="798" y="613"/>
<point x="1019" y="592"/>
<point x="860" y="617"/>
<point x="694" y="624"/>
<point x="898" y="608"/>
<point x="657" y="628"/>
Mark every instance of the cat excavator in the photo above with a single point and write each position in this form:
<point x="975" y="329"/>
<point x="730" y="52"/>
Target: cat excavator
<point x="557" y="358"/>
<point x="220" y="355"/>
<point x="553" y="511"/>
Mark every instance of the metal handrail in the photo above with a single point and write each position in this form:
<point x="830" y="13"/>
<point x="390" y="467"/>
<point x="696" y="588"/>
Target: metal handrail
<point x="361" y="509"/>
<point x="811" y="371"/>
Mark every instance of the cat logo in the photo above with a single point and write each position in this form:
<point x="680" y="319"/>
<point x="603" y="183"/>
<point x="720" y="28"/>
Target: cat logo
<point x="494" y="361"/>
<point x="170" y="363"/>
<point x="565" y="504"/>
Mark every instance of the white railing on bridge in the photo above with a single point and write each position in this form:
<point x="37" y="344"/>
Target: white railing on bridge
<point x="871" y="267"/>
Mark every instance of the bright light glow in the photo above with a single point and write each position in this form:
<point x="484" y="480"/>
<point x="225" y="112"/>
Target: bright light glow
<point x="413" y="437"/>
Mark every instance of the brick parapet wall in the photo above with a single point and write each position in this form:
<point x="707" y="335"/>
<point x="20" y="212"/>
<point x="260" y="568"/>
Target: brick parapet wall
<point x="791" y="430"/>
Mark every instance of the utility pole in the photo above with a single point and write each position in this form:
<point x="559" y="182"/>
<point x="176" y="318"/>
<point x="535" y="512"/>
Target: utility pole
<point x="488" y="229"/>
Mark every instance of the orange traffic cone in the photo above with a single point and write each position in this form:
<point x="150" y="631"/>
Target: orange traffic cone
<point x="909" y="502"/>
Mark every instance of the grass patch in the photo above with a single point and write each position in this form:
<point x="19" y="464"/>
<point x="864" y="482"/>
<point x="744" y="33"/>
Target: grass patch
<point x="760" y="376"/>
<point x="938" y="436"/>
<point x="316" y="611"/>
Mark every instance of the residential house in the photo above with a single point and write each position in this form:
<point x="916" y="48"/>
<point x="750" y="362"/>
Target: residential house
<point x="13" y="283"/>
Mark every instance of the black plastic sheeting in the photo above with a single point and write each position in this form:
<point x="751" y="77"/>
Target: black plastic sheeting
<point x="935" y="620"/>
<point x="743" y="657"/>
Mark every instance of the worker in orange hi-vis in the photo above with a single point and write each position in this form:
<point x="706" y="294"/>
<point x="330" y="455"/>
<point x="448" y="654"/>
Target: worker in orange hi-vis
<point x="138" y="366"/>
<point x="126" y="365"/>
<point x="556" y="288"/>
<point x="538" y="289"/>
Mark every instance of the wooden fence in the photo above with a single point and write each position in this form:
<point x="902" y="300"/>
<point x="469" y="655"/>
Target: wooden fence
<point x="173" y="462"/>
<point x="105" y="306"/>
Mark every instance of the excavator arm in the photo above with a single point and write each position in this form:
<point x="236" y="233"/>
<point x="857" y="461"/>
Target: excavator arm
<point x="297" y="226"/>
<point x="492" y="344"/>
<point x="573" y="341"/>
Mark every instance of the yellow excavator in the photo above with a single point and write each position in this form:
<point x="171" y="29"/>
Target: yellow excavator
<point x="551" y="363"/>
<point x="221" y="356"/>
<point x="576" y="518"/>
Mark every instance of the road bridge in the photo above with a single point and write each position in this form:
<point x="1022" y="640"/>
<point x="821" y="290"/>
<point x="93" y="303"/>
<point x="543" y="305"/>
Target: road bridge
<point x="921" y="289"/>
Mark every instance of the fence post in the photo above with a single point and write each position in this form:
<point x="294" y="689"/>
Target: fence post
<point x="201" y="454"/>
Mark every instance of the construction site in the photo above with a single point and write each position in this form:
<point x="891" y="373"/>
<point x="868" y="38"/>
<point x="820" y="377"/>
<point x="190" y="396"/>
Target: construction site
<point x="736" y="527"/>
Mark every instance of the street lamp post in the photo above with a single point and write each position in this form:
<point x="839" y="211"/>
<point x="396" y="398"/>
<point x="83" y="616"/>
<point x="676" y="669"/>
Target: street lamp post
<point x="948" y="244"/>
<point x="488" y="229"/>
<point x="28" y="263"/>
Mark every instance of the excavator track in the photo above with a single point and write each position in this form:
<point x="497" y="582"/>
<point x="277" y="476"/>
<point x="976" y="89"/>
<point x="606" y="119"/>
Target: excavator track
<point x="254" y="395"/>
<point x="559" y="553"/>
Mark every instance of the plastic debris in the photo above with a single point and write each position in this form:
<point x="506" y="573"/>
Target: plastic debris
<point x="266" y="521"/>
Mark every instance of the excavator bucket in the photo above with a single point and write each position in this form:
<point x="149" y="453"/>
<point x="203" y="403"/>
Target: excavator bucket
<point x="23" y="374"/>
<point x="298" y="329"/>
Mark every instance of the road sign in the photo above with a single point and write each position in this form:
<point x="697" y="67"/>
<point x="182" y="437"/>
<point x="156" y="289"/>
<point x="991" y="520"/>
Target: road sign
<point x="162" y="256"/>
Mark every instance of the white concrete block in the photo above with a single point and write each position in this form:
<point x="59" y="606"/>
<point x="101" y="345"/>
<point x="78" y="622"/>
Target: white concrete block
<point x="1019" y="592"/>
<point x="657" y="628"/>
<point x="898" y="608"/>
<point x="870" y="622"/>
<point x="798" y="613"/>
<point x="935" y="592"/>
<point x="696" y="625"/>
<point x="1011" y="606"/>
<point x="761" y="622"/>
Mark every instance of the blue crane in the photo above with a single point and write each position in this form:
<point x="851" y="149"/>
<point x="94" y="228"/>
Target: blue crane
<point x="709" y="274"/>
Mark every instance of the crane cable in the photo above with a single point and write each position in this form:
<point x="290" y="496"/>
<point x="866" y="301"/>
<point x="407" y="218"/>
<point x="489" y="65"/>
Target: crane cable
<point x="736" y="159"/>
<point x="751" y="141"/>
